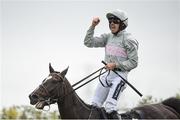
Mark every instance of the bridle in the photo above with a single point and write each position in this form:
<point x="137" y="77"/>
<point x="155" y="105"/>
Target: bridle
<point x="50" y="98"/>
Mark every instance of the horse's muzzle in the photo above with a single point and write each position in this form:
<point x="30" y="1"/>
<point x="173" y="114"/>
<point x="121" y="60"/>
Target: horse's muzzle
<point x="33" y="99"/>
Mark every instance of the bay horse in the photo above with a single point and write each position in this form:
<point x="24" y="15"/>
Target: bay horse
<point x="57" y="89"/>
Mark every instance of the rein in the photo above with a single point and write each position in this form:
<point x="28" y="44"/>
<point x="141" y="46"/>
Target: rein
<point x="101" y="73"/>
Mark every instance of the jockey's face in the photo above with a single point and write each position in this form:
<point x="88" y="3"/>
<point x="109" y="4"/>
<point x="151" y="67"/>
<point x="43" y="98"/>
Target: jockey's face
<point x="114" y="27"/>
<point x="114" y="24"/>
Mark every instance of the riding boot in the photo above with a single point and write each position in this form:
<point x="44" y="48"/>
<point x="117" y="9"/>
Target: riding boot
<point x="113" y="115"/>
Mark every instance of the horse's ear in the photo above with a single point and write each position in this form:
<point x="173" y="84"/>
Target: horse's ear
<point x="51" y="70"/>
<point x="63" y="73"/>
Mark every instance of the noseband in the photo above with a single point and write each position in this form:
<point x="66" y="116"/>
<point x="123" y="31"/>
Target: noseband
<point x="50" y="98"/>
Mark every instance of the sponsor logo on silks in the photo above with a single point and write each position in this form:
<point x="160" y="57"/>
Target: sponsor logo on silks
<point x="115" y="50"/>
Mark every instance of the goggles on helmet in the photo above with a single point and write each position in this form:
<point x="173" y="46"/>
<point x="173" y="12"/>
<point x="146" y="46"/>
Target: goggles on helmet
<point x="114" y="19"/>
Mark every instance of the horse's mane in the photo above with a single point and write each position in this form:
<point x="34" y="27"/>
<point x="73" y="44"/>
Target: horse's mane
<point x="78" y="98"/>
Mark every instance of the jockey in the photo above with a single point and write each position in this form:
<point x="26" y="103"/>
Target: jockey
<point x="120" y="55"/>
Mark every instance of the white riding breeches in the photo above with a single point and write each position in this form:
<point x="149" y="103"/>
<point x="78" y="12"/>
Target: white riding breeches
<point x="109" y="96"/>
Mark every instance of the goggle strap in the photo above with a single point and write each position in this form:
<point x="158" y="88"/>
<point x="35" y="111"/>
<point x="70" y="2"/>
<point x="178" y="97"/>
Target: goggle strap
<point x="125" y="20"/>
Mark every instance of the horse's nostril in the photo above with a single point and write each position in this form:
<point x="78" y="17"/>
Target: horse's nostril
<point x="33" y="99"/>
<point x="34" y="96"/>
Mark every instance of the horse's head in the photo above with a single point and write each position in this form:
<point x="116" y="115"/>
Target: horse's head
<point x="49" y="90"/>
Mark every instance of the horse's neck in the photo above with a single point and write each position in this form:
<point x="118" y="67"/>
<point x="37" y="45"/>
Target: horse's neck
<point x="72" y="106"/>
